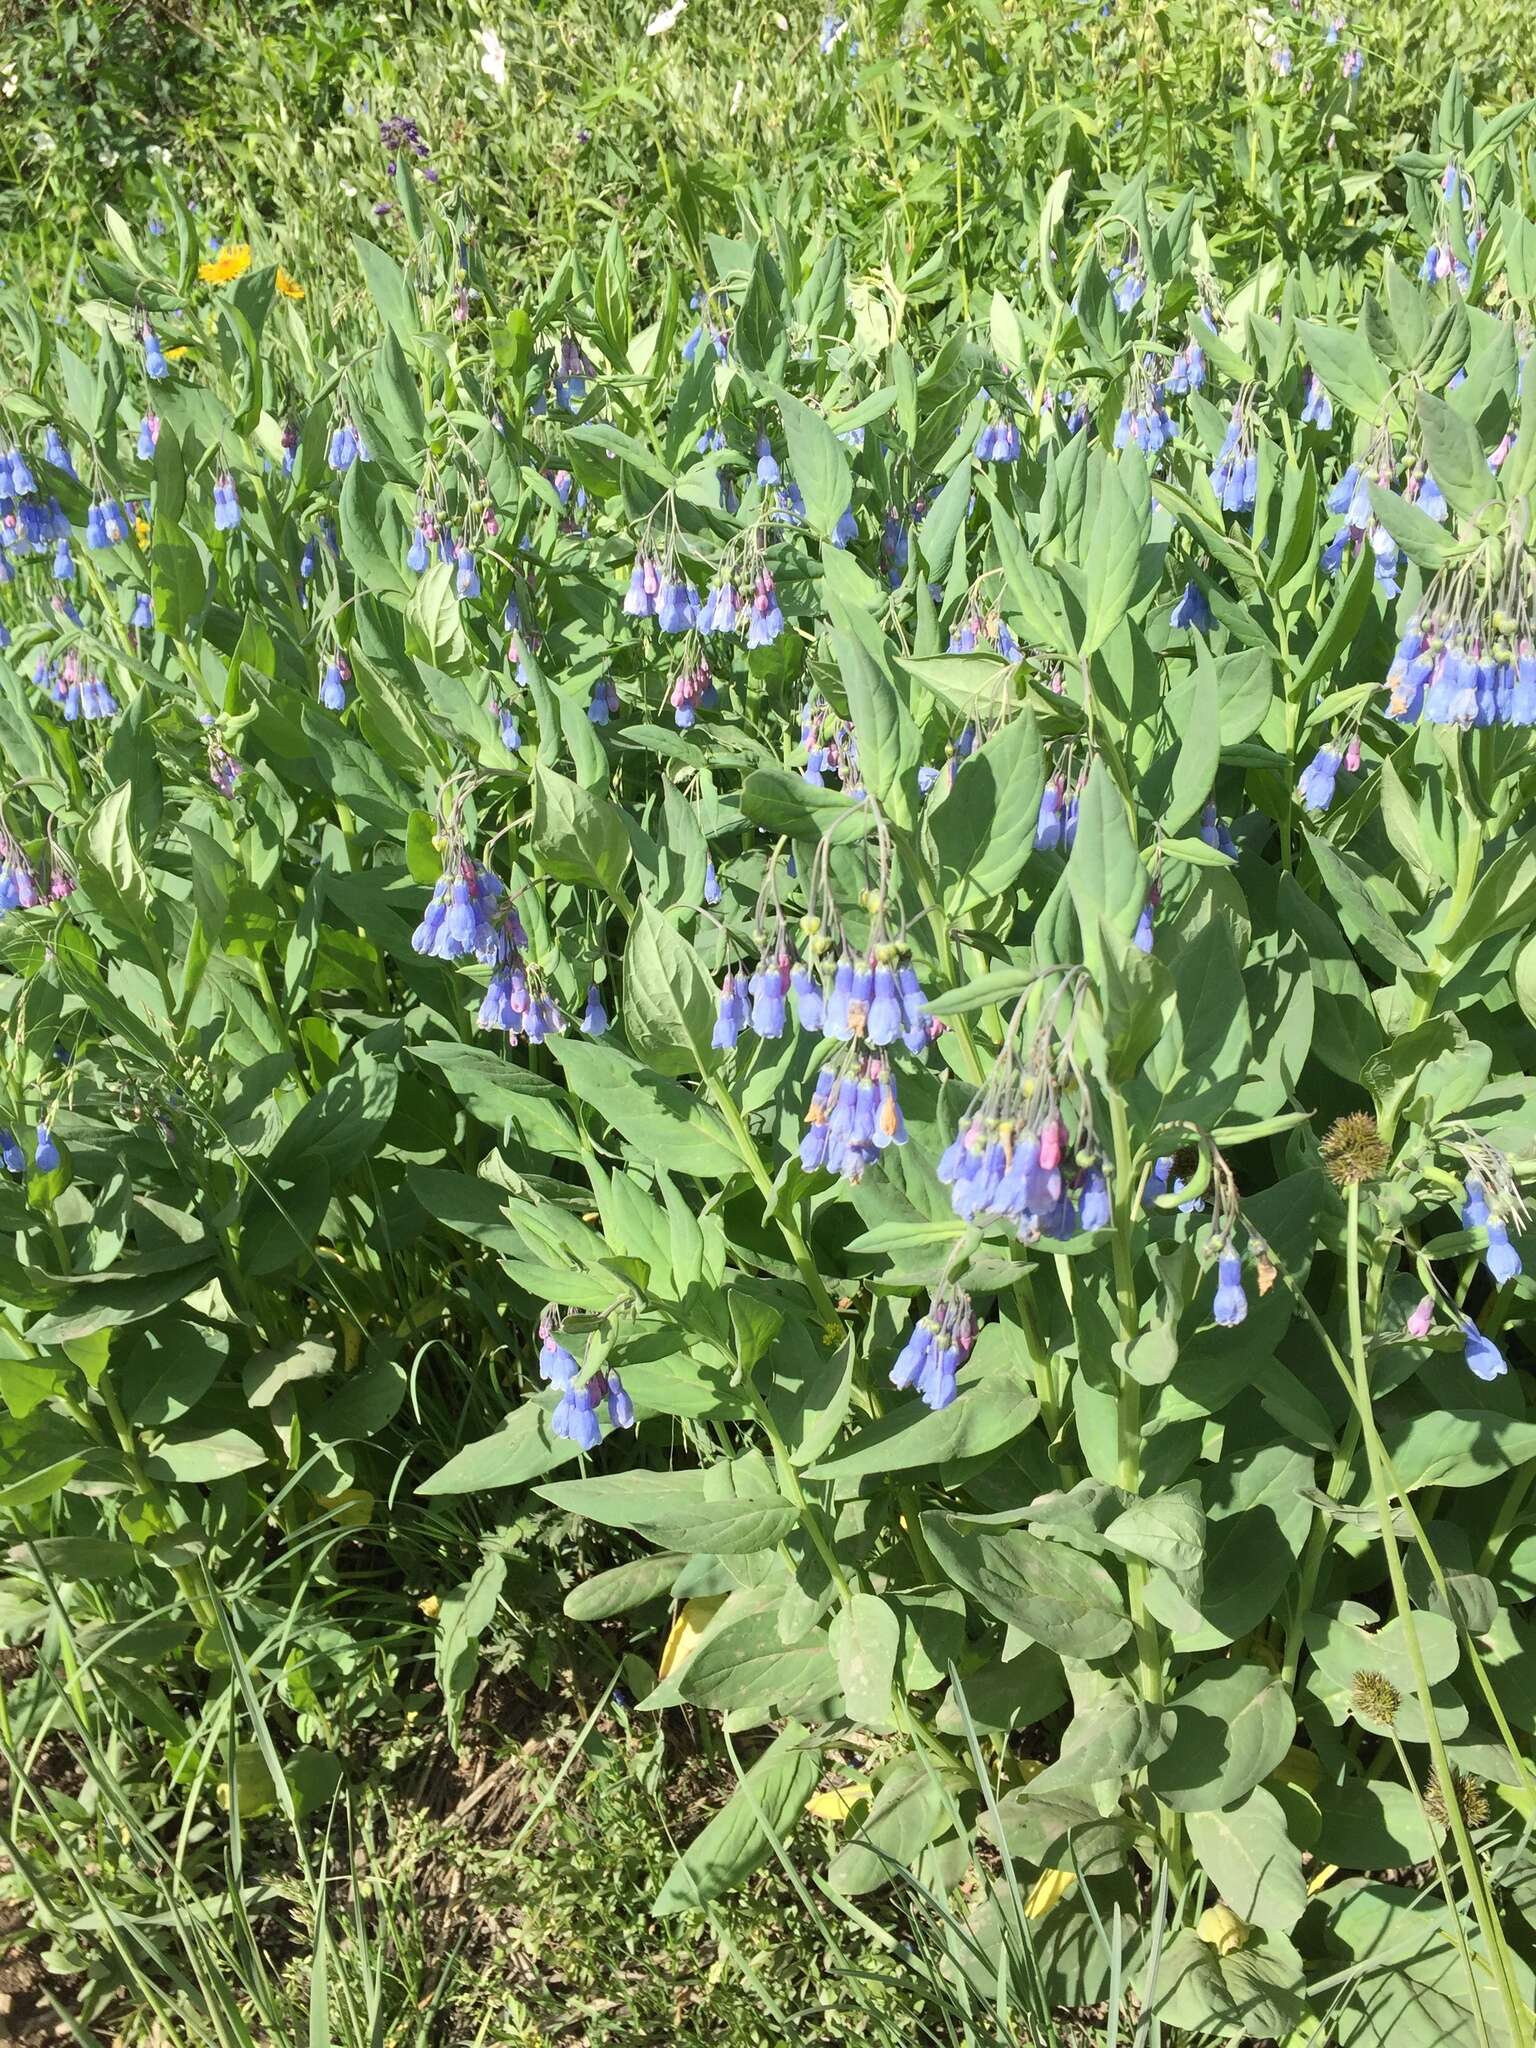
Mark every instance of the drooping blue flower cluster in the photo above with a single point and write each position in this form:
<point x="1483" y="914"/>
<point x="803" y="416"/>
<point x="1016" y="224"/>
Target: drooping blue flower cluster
<point x="516" y="1000"/>
<point x="1451" y="673"/>
<point x="55" y="452"/>
<point x="1192" y="612"/>
<point x="576" y="1416"/>
<point x="1235" y="478"/>
<point x="693" y="690"/>
<point x="1441" y="263"/>
<point x="1056" y="821"/>
<point x="572" y="371"/>
<point x="1230" y="1304"/>
<point x="853" y="1116"/>
<point x="604" y="701"/>
<point x="1483" y="1356"/>
<point x="29" y="525"/>
<point x="1215" y="833"/>
<point x="1012" y="1159"/>
<point x="1501" y="1257"/>
<point x="18" y="884"/>
<point x="226" y="504"/>
<point x="333" y="682"/>
<point x="937" y="1347"/>
<point x="345" y="447"/>
<point x="982" y="624"/>
<point x="433" y="536"/>
<point x="1318" y="410"/>
<point x="1128" y="281"/>
<point x="875" y="999"/>
<point x="1358" y="525"/>
<point x="78" y="692"/>
<point x="1144" y="422"/>
<point x="468" y="917"/>
<point x="960" y="748"/>
<point x="830" y="746"/>
<point x="710" y="328"/>
<point x="1186" y="372"/>
<point x="1319" y="778"/>
<point x="998" y="441"/>
<point x="660" y="594"/>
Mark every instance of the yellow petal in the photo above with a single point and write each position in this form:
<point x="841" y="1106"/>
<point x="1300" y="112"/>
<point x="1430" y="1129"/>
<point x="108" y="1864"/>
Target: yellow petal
<point x="352" y="1507"/>
<point x="693" y="1617"/>
<point x="1222" y="1929"/>
<point x="1047" y="1889"/>
<point x="841" y="1801"/>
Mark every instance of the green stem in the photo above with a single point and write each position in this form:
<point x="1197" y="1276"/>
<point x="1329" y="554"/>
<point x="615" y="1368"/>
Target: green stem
<point x="154" y="1497"/>
<point x="752" y="1159"/>
<point x="1319" y="1542"/>
<point x="1469" y="854"/>
<point x="789" y="1481"/>
<point x="1507" y="1516"/>
<point x="1149" y="1660"/>
<point x="1458" y="1931"/>
<point x="1048" y="1387"/>
<point x="1471" y="1870"/>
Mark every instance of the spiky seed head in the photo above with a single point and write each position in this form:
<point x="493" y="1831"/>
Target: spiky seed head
<point x="1470" y="1797"/>
<point x="1374" y="1697"/>
<point x="1352" y="1150"/>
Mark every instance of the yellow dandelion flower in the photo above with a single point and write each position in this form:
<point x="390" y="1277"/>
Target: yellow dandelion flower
<point x="232" y="261"/>
<point x="288" y="286"/>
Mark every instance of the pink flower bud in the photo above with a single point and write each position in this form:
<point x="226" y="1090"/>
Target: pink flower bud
<point x="1422" y="1317"/>
<point x="1352" y="754"/>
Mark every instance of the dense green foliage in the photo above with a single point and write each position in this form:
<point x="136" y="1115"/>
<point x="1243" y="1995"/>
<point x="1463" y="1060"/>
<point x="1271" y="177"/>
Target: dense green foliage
<point x="1101" y="441"/>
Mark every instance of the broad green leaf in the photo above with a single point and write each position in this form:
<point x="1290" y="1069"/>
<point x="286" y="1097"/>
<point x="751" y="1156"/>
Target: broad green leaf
<point x="1052" y="1595"/>
<point x="745" y="1666"/>
<point x="624" y="1587"/>
<point x="762" y="1811"/>
<point x="866" y="1639"/>
<point x="522" y="1449"/>
<point x="988" y="1413"/>
<point x="818" y="462"/>
<point x="908" y="1811"/>
<point x="983" y="825"/>
<point x="1251" y="1860"/>
<point x="657" y="1117"/>
<point x="577" y="836"/>
<point x="1232" y="1724"/>
<point x="669" y="1003"/>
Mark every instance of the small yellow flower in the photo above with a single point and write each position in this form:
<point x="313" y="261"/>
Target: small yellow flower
<point x="232" y="261"/>
<point x="141" y="531"/>
<point x="288" y="286"/>
<point x="174" y="355"/>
